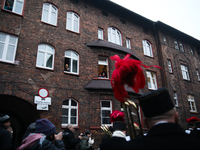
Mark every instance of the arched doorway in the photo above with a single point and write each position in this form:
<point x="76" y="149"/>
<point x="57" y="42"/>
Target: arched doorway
<point x="22" y="114"/>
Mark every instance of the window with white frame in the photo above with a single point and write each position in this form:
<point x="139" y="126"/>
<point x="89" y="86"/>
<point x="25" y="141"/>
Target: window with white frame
<point x="49" y="14"/>
<point x="147" y="48"/>
<point x="103" y="67"/>
<point x="8" y="47"/>
<point x="151" y="80"/>
<point x="106" y="110"/>
<point x="15" y="6"/>
<point x="45" y="56"/>
<point x="198" y="74"/>
<point x="71" y="62"/>
<point x="185" y="72"/>
<point x="176" y="45"/>
<point x="169" y="65"/>
<point x="191" y="51"/>
<point x="114" y="36"/>
<point x="181" y="47"/>
<point x="100" y="33"/>
<point x="70" y="112"/>
<point x="192" y="105"/>
<point x="73" y="21"/>
<point x="128" y="43"/>
<point x="164" y="39"/>
<point x="175" y="98"/>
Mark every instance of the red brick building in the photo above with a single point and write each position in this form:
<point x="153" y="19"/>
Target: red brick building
<point x="63" y="46"/>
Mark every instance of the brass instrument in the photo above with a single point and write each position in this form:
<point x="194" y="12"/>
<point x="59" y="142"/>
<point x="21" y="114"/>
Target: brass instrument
<point x="106" y="131"/>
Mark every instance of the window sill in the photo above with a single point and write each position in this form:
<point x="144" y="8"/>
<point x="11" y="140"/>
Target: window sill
<point x="49" y="24"/>
<point x="71" y="73"/>
<point x="73" y="31"/>
<point x="13" y="63"/>
<point x="44" y="68"/>
<point x="149" y="56"/>
<point x="12" y="12"/>
<point x="194" y="112"/>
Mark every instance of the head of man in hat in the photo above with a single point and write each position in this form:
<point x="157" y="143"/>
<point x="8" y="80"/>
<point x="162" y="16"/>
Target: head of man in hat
<point x="158" y="107"/>
<point x="5" y="120"/>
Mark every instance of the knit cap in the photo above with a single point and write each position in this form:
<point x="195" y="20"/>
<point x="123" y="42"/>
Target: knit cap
<point x="4" y="118"/>
<point x="45" y="126"/>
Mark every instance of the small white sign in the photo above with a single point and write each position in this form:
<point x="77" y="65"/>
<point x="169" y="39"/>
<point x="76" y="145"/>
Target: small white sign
<point x="42" y="107"/>
<point x="39" y="100"/>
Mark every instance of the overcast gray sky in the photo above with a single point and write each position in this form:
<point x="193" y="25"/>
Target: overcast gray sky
<point x="184" y="15"/>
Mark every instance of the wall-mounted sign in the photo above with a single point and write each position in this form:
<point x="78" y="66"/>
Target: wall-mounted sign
<point x="42" y="101"/>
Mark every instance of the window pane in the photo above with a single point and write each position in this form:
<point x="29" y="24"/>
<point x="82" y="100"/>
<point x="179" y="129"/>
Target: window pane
<point x="1" y="50"/>
<point x="105" y="103"/>
<point x="74" y="55"/>
<point x="65" y="112"/>
<point x="8" y="5"/>
<point x="18" y="7"/>
<point x="53" y="18"/>
<point x="10" y="52"/>
<point x="45" y="16"/>
<point x="73" y="120"/>
<point x="76" y="26"/>
<point x="65" y="120"/>
<point x="67" y="53"/>
<point x="66" y="102"/>
<point x="73" y="103"/>
<point x="74" y="66"/>
<point x="106" y="113"/>
<point x="73" y="112"/>
<point x="12" y="40"/>
<point x="67" y="61"/>
<point x="2" y="37"/>
<point x="49" y="60"/>
<point x="50" y="49"/>
<point x="40" y="59"/>
<point x="106" y="120"/>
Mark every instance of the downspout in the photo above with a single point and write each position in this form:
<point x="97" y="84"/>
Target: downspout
<point x="160" y="57"/>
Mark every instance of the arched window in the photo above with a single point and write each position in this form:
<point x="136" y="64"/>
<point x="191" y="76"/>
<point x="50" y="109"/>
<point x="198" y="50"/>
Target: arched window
<point x="71" y="62"/>
<point x="69" y="112"/>
<point x="114" y="36"/>
<point x="147" y="48"/>
<point x="73" y="21"/>
<point x="45" y="56"/>
<point x="49" y="14"/>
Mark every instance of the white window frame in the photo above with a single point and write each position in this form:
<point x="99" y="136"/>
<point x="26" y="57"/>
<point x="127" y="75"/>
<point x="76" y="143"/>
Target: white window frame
<point x="106" y="108"/>
<point x="175" y="98"/>
<point x="164" y="39"/>
<point x="69" y="107"/>
<point x="50" y="12"/>
<point x="45" y="56"/>
<point x="192" y="104"/>
<point x="185" y="73"/>
<point x="198" y="74"/>
<point x="114" y="36"/>
<point x="176" y="45"/>
<point x="169" y="65"/>
<point x="181" y="47"/>
<point x="147" y="48"/>
<point x="73" y="56"/>
<point x="8" y="47"/>
<point x="192" y="51"/>
<point x="151" y="80"/>
<point x="100" y="33"/>
<point x="16" y="4"/>
<point x="72" y="20"/>
<point x="128" y="43"/>
<point x="103" y="61"/>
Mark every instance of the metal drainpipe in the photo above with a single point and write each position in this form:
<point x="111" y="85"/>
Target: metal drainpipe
<point x="160" y="57"/>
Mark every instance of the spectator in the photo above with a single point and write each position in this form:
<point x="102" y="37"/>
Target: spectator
<point x="70" y="141"/>
<point x="44" y="138"/>
<point x="84" y="144"/>
<point x="5" y="135"/>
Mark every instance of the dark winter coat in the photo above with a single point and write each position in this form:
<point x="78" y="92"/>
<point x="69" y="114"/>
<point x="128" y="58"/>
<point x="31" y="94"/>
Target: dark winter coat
<point x="84" y="144"/>
<point x="165" y="136"/>
<point x="70" y="141"/>
<point x="5" y="138"/>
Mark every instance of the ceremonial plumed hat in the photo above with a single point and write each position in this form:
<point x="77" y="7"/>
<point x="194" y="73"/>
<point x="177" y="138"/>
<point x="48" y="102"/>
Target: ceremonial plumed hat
<point x="156" y="102"/>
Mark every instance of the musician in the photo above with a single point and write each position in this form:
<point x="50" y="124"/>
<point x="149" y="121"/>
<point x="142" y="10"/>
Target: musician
<point x="118" y="140"/>
<point x="162" y="121"/>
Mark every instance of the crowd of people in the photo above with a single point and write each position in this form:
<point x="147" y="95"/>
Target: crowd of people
<point x="160" y="117"/>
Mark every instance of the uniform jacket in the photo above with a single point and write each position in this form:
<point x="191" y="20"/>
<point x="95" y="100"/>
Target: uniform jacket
<point x="165" y="136"/>
<point x="5" y="138"/>
<point x="115" y="143"/>
<point x="70" y="141"/>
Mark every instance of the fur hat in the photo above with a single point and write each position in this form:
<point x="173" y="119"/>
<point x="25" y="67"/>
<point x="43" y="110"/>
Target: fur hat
<point x="156" y="102"/>
<point x="45" y="126"/>
<point x="4" y="118"/>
